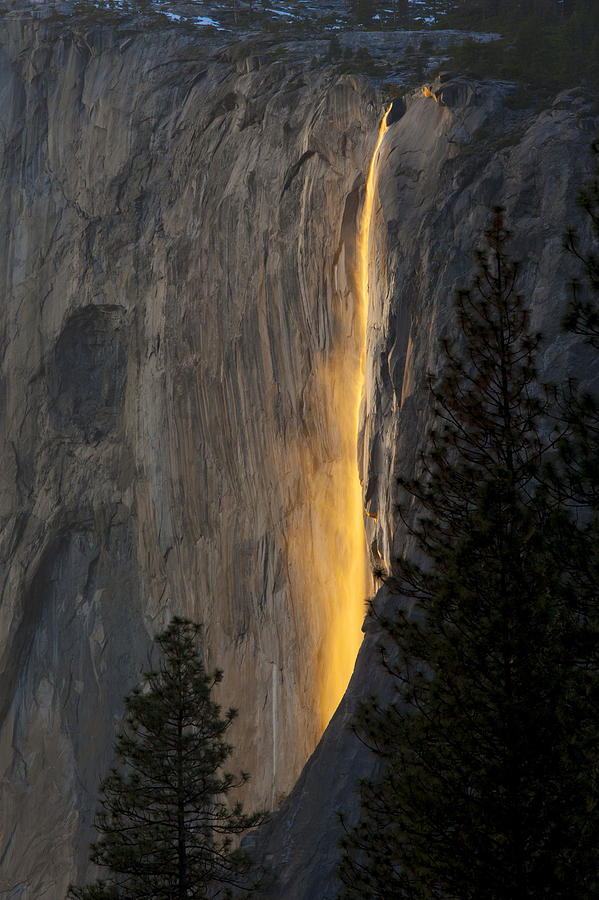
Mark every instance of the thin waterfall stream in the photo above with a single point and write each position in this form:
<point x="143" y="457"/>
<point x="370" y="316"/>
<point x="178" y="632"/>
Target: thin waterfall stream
<point x="353" y="584"/>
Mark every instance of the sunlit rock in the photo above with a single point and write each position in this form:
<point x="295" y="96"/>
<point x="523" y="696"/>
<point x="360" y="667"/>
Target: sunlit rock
<point x="179" y="354"/>
<point x="458" y="150"/>
<point x="181" y="335"/>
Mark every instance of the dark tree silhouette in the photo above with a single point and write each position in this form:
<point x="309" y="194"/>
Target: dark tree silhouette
<point x="580" y="453"/>
<point x="489" y="750"/>
<point x="165" y="827"/>
<point x="582" y="316"/>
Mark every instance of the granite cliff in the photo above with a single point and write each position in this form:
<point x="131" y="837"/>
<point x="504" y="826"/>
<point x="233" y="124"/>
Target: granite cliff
<point x="179" y="334"/>
<point x="458" y="149"/>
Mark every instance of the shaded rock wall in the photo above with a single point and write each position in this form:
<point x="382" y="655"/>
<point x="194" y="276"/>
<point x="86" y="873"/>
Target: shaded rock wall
<point x="176" y="256"/>
<point x="450" y="159"/>
<point x="443" y="165"/>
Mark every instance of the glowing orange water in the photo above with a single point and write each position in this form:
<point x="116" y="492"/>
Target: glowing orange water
<point x="365" y="237"/>
<point x="350" y="570"/>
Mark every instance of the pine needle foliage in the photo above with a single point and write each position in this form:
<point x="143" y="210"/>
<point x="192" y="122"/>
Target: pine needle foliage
<point x="489" y="750"/>
<point x="580" y="452"/>
<point x="166" y="830"/>
<point x="547" y="45"/>
<point x="582" y="315"/>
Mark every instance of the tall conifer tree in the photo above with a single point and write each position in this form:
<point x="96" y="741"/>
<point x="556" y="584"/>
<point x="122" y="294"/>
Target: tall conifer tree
<point x="489" y="751"/>
<point x="165" y="827"/>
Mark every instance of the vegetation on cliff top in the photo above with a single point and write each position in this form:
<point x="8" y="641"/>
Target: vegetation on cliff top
<point x="549" y="44"/>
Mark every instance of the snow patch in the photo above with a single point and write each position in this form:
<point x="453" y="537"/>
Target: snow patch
<point x="206" y="20"/>
<point x="280" y="12"/>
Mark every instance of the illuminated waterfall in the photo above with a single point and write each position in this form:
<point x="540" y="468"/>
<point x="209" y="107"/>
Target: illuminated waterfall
<point x="365" y="240"/>
<point x="351" y="571"/>
<point x="326" y="543"/>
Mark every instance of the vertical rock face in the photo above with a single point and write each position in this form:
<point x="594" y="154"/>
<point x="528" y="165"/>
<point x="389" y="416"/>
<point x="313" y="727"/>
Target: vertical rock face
<point x="177" y="255"/>
<point x="444" y="164"/>
<point x="88" y="375"/>
<point x="452" y="157"/>
<point x="176" y="250"/>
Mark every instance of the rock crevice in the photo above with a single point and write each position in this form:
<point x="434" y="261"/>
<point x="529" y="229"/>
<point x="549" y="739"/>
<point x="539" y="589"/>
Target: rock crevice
<point x="178" y="338"/>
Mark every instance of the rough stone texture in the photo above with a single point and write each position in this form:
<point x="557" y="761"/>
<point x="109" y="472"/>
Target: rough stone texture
<point x="176" y="252"/>
<point x="443" y="165"/>
<point x="177" y="255"/>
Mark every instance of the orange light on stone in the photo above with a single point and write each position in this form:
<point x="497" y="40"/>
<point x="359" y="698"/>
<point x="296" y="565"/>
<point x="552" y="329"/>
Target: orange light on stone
<point x="365" y="239"/>
<point x="350" y="575"/>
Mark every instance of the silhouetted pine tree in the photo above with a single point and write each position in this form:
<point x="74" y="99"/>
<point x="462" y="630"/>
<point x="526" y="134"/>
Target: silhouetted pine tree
<point x="582" y="316"/>
<point x="165" y="828"/>
<point x="489" y="751"/>
<point x="581" y="451"/>
<point x="579" y="455"/>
